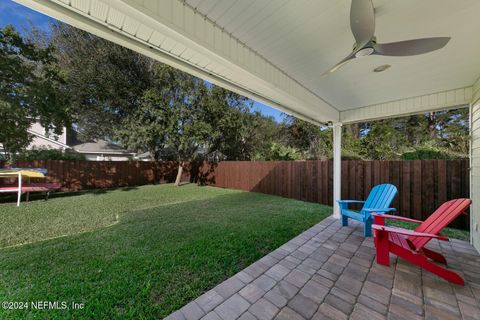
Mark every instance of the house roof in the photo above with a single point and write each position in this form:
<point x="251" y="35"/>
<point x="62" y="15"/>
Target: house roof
<point x="100" y="146"/>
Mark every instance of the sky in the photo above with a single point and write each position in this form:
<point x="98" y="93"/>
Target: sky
<point x="22" y="18"/>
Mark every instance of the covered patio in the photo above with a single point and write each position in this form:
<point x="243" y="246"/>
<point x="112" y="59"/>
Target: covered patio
<point x="276" y="52"/>
<point x="329" y="272"/>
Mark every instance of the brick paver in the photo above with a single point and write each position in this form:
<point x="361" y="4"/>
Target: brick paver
<point x="329" y="272"/>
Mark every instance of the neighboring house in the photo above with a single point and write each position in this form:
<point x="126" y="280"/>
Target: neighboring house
<point x="101" y="150"/>
<point x="98" y="150"/>
<point x="47" y="140"/>
<point x="164" y="154"/>
<point x="169" y="153"/>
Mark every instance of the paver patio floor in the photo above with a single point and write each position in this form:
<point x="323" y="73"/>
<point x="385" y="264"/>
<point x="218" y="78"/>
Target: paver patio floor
<point x="329" y="272"/>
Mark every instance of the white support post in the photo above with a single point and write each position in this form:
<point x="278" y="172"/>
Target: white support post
<point x="337" y="165"/>
<point x="19" y="195"/>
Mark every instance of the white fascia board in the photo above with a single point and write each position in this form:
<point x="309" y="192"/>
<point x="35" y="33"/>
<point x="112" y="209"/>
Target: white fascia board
<point x="212" y="54"/>
<point x="105" y="152"/>
<point x="443" y="100"/>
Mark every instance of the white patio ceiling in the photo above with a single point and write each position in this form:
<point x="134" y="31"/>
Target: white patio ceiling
<point x="275" y="51"/>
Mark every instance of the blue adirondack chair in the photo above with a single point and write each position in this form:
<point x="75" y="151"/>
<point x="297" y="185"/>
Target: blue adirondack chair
<point x="378" y="201"/>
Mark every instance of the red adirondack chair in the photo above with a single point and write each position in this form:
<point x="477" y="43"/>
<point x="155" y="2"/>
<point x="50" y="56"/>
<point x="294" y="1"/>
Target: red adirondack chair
<point x="410" y="245"/>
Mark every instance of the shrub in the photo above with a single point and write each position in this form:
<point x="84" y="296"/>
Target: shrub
<point x="48" y="154"/>
<point x="350" y="155"/>
<point x="430" y="154"/>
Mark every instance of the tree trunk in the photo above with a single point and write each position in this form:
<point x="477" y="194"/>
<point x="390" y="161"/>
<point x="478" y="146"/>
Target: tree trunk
<point x="179" y="174"/>
<point x="432" y="124"/>
<point x="355" y="130"/>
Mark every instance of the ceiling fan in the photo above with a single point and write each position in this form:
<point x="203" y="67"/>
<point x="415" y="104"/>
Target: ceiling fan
<point x="362" y="23"/>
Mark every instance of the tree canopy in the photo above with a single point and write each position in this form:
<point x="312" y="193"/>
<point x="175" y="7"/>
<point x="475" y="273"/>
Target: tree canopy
<point x="31" y="88"/>
<point x="434" y="135"/>
<point x="150" y="107"/>
<point x="113" y="93"/>
<point x="105" y="81"/>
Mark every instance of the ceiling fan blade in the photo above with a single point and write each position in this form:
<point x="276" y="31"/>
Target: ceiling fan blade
<point x="362" y="21"/>
<point x="339" y="65"/>
<point x="410" y="47"/>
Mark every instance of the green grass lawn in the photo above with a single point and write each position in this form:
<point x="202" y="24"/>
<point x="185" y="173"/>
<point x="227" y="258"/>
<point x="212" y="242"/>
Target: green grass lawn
<point x="137" y="253"/>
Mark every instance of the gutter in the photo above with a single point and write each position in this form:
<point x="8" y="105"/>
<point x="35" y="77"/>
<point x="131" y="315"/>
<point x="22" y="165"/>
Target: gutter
<point x="105" y="152"/>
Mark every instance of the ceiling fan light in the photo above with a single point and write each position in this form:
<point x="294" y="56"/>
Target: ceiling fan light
<point x="381" y="68"/>
<point x="364" y="52"/>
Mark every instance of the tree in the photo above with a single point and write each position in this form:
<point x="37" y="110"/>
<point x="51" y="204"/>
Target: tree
<point x="433" y="135"/>
<point x="383" y="141"/>
<point x="31" y="88"/>
<point x="170" y="114"/>
<point x="453" y="130"/>
<point x="227" y="113"/>
<point x="189" y="129"/>
<point x="146" y="129"/>
<point x="301" y="134"/>
<point x="237" y="133"/>
<point x="105" y="81"/>
<point x="278" y="151"/>
<point x="259" y="134"/>
<point x="119" y="94"/>
<point x="314" y="142"/>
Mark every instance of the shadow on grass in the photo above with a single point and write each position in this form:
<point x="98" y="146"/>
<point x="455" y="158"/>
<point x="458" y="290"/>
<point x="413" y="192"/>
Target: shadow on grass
<point x="184" y="183"/>
<point x="12" y="198"/>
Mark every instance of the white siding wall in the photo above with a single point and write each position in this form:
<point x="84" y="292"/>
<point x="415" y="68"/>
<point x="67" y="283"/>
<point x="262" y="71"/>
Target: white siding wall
<point x="39" y="142"/>
<point x="475" y="165"/>
<point x="38" y="128"/>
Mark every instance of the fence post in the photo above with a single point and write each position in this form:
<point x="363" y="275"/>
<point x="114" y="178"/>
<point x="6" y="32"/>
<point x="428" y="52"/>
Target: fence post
<point x="337" y="165"/>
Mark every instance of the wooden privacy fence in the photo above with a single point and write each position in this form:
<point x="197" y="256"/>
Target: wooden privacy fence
<point x="77" y="175"/>
<point x="422" y="184"/>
